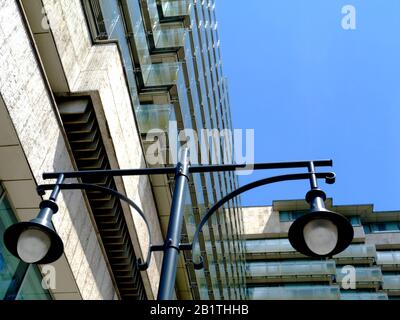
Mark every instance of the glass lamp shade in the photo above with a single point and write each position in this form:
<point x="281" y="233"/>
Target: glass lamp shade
<point x="33" y="245"/>
<point x="321" y="236"/>
<point x="34" y="242"/>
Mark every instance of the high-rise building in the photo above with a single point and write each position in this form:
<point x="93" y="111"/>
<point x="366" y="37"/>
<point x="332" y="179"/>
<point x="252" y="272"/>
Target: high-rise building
<point x="91" y="84"/>
<point x="369" y="269"/>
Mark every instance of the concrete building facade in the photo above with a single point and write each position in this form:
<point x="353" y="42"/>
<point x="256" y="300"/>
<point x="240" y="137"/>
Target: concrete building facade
<point x="369" y="269"/>
<point x="83" y="85"/>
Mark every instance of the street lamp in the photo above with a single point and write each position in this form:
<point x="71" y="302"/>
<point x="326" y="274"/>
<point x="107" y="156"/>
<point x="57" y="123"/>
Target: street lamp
<point x="320" y="233"/>
<point x="36" y="241"/>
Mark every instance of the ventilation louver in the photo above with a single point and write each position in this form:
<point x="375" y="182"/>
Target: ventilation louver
<point x="85" y="140"/>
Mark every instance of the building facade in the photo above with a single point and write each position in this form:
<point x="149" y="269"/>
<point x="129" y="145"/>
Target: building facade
<point x="92" y="84"/>
<point x="369" y="269"/>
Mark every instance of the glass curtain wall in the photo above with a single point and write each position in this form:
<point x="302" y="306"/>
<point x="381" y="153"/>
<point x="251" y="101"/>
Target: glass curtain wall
<point x="202" y="103"/>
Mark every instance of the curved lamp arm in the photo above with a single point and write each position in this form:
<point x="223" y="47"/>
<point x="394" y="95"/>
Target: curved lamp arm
<point x="85" y="186"/>
<point x="328" y="176"/>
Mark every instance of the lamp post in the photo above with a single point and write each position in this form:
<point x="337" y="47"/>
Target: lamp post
<point x="321" y="233"/>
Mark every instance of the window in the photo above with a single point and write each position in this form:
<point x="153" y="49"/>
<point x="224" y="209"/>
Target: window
<point x="106" y="22"/>
<point x="31" y="286"/>
<point x="355" y="221"/>
<point x="18" y="280"/>
<point x="95" y="19"/>
<point x="288" y="216"/>
<point x="382" y="227"/>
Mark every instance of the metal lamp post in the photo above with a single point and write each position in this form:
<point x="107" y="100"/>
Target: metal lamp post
<point x="321" y="233"/>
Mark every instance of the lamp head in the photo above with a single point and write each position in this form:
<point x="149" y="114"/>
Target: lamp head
<point x="35" y="241"/>
<point x="320" y="233"/>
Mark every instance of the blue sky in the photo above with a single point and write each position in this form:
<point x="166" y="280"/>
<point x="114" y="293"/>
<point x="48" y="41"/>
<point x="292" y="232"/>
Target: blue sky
<point x="312" y="90"/>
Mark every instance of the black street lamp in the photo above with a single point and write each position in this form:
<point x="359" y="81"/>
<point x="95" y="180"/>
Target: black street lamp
<point x="36" y="241"/>
<point x="321" y="233"/>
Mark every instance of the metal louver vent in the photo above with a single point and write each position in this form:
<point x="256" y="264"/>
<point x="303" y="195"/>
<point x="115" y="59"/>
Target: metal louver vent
<point x="82" y="129"/>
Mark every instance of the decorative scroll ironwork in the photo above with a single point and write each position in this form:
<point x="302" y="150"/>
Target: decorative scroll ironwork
<point x="328" y="176"/>
<point x="85" y="186"/>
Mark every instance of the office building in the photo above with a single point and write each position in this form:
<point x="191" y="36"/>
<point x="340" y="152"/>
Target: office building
<point x="83" y="85"/>
<point x="369" y="269"/>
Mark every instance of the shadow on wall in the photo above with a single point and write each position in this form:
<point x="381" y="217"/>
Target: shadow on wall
<point x="81" y="239"/>
<point x="272" y="223"/>
<point x="261" y="221"/>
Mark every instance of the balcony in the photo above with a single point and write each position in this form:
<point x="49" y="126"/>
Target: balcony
<point x="388" y="240"/>
<point x="290" y="271"/>
<point x="294" y="293"/>
<point x="176" y="8"/>
<point x="354" y="254"/>
<point x="270" y="249"/>
<point x="161" y="74"/>
<point x="364" y="277"/>
<point x="153" y="116"/>
<point x="391" y="283"/>
<point x="363" y="296"/>
<point x="388" y="260"/>
<point x="167" y="38"/>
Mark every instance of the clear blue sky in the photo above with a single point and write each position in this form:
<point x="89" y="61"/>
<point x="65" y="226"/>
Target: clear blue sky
<point x="312" y="90"/>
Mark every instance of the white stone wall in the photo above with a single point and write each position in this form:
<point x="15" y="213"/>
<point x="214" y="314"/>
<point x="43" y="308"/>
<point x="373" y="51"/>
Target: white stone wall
<point x="30" y="106"/>
<point x="99" y="68"/>
<point x="260" y="220"/>
<point x="385" y="240"/>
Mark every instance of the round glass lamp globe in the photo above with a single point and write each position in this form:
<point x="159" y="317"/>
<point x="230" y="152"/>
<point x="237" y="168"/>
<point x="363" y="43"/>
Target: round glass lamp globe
<point x="33" y="245"/>
<point x="321" y="236"/>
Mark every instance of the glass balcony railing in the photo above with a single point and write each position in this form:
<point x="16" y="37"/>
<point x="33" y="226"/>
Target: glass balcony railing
<point x="164" y="37"/>
<point x="190" y="223"/>
<point x="294" y="293"/>
<point x="388" y="258"/>
<point x="363" y="296"/>
<point x="357" y="251"/>
<point x="391" y="282"/>
<point x="291" y="268"/>
<point x="174" y="8"/>
<point x="162" y="74"/>
<point x="152" y="9"/>
<point x="212" y="267"/>
<point x="124" y="20"/>
<point x="153" y="116"/>
<point x="167" y="38"/>
<point x="153" y="74"/>
<point x="137" y="30"/>
<point x="373" y="274"/>
<point x="268" y="246"/>
<point x="202" y="284"/>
